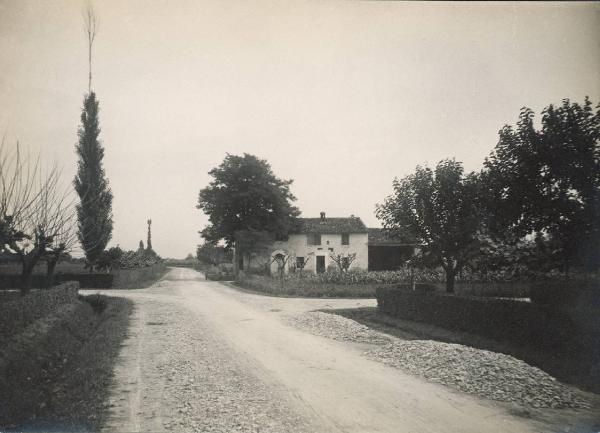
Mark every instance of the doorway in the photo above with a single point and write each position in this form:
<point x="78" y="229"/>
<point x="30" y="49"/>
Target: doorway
<point x="320" y="264"/>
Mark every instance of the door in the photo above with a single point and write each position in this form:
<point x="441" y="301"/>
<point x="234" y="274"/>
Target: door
<point x="320" y="264"/>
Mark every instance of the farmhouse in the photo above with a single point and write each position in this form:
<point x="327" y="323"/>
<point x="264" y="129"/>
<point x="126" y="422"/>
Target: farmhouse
<point x="388" y="252"/>
<point x="314" y="242"/>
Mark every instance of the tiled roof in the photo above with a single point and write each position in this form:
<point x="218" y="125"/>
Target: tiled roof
<point x="331" y="225"/>
<point x="378" y="236"/>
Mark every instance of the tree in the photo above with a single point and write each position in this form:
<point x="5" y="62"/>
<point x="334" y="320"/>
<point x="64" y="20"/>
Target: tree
<point x="61" y="244"/>
<point x="547" y="181"/>
<point x="343" y="261"/>
<point x="36" y="214"/>
<point x="439" y="207"/>
<point x="46" y="228"/>
<point x="281" y="261"/>
<point x="245" y="199"/>
<point x="213" y="254"/>
<point x="94" y="211"/>
<point x="19" y="192"/>
<point x="90" y="25"/>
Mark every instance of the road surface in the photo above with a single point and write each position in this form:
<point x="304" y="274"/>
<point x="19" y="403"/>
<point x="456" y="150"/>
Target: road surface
<point x="203" y="356"/>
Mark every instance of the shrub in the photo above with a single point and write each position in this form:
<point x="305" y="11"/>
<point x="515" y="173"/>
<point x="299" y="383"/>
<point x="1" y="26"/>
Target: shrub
<point x="97" y="302"/>
<point x="304" y="287"/>
<point x="503" y="320"/>
<point x="566" y="293"/>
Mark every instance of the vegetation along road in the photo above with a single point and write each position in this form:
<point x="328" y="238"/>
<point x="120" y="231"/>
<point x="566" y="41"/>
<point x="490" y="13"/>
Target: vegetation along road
<point x="203" y="356"/>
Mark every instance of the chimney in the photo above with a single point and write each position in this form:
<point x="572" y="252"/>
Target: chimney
<point x="322" y="216"/>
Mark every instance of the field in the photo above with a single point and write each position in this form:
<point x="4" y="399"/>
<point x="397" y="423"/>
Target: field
<point x="40" y="268"/>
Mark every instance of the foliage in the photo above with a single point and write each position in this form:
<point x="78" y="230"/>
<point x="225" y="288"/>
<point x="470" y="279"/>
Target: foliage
<point x="94" y="211"/>
<point x="301" y="287"/>
<point x="109" y="259"/>
<point x="116" y="258"/>
<point x="440" y="208"/>
<point x="245" y="196"/>
<point x="547" y="181"/>
<point x="213" y="254"/>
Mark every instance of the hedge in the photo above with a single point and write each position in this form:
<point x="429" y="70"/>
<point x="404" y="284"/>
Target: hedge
<point x="136" y="278"/>
<point x="96" y="281"/>
<point x="118" y="279"/>
<point x="21" y="312"/>
<point x="509" y="321"/>
<point x="273" y="286"/>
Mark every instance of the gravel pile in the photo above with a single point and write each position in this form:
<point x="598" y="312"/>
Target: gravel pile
<point x="337" y="328"/>
<point x="488" y="374"/>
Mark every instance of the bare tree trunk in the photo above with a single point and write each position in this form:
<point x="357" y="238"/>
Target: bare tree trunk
<point x="51" y="266"/>
<point x="27" y="276"/>
<point x="450" y="276"/>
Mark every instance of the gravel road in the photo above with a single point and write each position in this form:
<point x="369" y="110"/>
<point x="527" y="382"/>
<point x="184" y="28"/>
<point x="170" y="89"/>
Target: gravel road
<point x="202" y="356"/>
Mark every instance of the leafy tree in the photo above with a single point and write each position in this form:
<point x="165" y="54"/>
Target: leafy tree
<point x="547" y="181"/>
<point x="246" y="200"/>
<point x="212" y="254"/>
<point x="94" y="211"/>
<point x="440" y="208"/>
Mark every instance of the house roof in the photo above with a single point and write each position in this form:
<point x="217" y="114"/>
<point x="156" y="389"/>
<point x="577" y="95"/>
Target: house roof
<point x="386" y="237"/>
<point x="331" y="225"/>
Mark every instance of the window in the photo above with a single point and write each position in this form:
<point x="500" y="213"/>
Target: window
<point x="314" y="239"/>
<point x="345" y="238"/>
<point x="300" y="262"/>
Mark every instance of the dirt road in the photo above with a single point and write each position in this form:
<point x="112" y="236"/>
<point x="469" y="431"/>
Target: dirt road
<point x="203" y="356"/>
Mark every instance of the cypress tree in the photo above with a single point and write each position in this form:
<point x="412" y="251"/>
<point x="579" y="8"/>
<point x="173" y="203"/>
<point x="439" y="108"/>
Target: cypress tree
<point x="94" y="211"/>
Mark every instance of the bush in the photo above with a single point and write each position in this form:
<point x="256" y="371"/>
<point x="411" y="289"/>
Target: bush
<point x="503" y="320"/>
<point x="303" y="287"/>
<point x="566" y="294"/>
<point x="97" y="302"/>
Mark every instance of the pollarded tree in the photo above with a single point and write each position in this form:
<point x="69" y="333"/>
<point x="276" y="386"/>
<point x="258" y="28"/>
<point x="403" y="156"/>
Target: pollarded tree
<point x="547" y="181"/>
<point x="245" y="199"/>
<point x="439" y="207"/>
<point x="94" y="211"/>
<point x="343" y="261"/>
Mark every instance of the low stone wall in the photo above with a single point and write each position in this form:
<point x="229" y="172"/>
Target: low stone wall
<point x="17" y="314"/>
<point x="137" y="278"/>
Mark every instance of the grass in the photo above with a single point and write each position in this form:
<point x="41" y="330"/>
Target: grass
<point x="63" y="383"/>
<point x="40" y="268"/>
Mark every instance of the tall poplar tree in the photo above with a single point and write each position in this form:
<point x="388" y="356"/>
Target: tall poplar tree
<point x="94" y="211"/>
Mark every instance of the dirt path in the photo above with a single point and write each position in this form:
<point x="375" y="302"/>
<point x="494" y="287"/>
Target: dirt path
<point x="202" y="356"/>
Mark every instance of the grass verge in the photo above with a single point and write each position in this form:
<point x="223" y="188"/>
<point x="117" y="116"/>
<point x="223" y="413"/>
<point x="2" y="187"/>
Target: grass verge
<point x="58" y="372"/>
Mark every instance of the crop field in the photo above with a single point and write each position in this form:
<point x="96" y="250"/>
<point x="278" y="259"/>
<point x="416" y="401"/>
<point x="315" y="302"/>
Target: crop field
<point x="40" y="269"/>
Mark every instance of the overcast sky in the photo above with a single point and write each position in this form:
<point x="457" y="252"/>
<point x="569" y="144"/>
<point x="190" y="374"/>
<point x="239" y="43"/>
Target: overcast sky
<point x="339" y="96"/>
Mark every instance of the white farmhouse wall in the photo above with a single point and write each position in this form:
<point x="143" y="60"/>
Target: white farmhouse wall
<point x="297" y="245"/>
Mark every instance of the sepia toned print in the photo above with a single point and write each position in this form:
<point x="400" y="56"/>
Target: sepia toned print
<point x="302" y="216"/>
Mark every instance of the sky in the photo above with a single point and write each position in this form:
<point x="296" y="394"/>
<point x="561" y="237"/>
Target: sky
<point x="340" y="96"/>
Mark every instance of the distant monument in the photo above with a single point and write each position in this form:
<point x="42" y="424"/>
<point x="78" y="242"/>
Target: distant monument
<point x="149" y="242"/>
